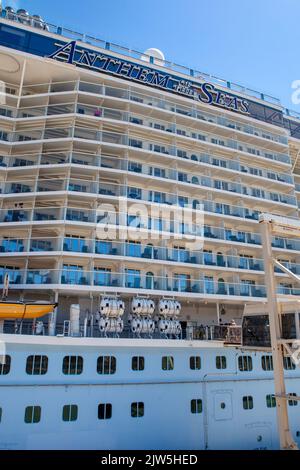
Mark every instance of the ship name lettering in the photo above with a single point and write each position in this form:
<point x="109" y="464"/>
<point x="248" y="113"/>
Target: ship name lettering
<point x="205" y="92"/>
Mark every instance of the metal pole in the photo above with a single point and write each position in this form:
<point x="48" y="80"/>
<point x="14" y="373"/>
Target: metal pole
<point x="297" y="325"/>
<point x="286" y="440"/>
<point x="218" y="313"/>
<point x="53" y="318"/>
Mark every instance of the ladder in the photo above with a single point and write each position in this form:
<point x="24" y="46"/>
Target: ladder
<point x="67" y="328"/>
<point x="271" y="225"/>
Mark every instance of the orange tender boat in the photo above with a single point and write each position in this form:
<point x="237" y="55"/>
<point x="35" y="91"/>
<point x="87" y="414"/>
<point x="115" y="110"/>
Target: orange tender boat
<point x="25" y="310"/>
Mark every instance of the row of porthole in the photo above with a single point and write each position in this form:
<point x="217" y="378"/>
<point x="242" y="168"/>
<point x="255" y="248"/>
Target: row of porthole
<point x="137" y="409"/>
<point x="38" y="365"/>
<point x="73" y="365"/>
<point x="33" y="413"/>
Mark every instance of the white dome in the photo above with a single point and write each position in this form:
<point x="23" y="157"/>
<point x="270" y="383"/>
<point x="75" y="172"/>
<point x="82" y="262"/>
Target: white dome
<point x="159" y="57"/>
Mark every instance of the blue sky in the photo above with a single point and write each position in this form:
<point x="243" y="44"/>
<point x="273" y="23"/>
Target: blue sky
<point x="251" y="42"/>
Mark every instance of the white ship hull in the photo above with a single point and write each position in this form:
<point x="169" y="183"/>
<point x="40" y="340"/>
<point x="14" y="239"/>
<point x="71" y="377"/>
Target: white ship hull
<point x="167" y="422"/>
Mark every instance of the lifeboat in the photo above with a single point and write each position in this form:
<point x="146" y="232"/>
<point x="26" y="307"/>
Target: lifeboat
<point x="25" y="310"/>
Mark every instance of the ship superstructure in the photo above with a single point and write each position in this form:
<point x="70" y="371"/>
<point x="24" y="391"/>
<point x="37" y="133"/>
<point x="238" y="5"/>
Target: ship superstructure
<point x="99" y="144"/>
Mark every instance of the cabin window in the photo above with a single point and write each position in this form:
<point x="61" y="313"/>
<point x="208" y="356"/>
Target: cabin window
<point x="106" y="365"/>
<point x="267" y="362"/>
<point x="271" y="401"/>
<point x="196" y="406"/>
<point x="248" y="402"/>
<point x="221" y="362"/>
<point x="137" y="409"/>
<point x="195" y="362"/>
<point x="167" y="363"/>
<point x="0" y="415"/>
<point x="288" y="364"/>
<point x="245" y="363"/>
<point x="32" y="414"/>
<point x="5" y="362"/>
<point x="36" y="365"/>
<point x="104" y="411"/>
<point x="138" y="363"/>
<point x="293" y="402"/>
<point x="70" y="412"/>
<point x="72" y="365"/>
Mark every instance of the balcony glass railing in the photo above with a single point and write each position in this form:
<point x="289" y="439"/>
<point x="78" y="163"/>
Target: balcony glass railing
<point x="132" y="192"/>
<point x="162" y="103"/>
<point x="76" y="215"/>
<point x="77" y="244"/>
<point x="16" y="276"/>
<point x="208" y="119"/>
<point x="288" y="290"/>
<point x="116" y="163"/>
<point x="231" y="235"/>
<point x="42" y="244"/>
<point x="126" y="140"/>
<point x="46" y="214"/>
<point x="294" y="267"/>
<point x="131" y="280"/>
<point x="138" y="250"/>
<point x="8" y="245"/>
<point x="131" y="250"/>
<point x="103" y="278"/>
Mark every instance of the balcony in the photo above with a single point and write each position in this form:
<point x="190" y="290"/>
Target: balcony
<point x="78" y="245"/>
<point x="54" y="158"/>
<point x="112" y="189"/>
<point x="46" y="214"/>
<point x="16" y="276"/>
<point x="116" y="163"/>
<point x="209" y="118"/>
<point x="209" y="140"/>
<point x="75" y="277"/>
<point x="15" y="215"/>
<point x="76" y="215"/>
<point x="92" y="216"/>
<point x="138" y="251"/>
<point x="132" y="280"/>
<point x="40" y="245"/>
<point x="20" y="162"/>
<point x="16" y="188"/>
<point x="40" y="277"/>
<point x="9" y="245"/>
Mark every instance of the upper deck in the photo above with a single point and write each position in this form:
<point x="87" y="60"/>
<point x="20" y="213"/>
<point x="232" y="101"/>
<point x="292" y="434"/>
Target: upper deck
<point x="43" y="39"/>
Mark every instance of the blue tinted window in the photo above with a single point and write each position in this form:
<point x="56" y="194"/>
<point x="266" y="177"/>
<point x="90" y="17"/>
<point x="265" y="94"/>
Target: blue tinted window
<point x="12" y="37"/>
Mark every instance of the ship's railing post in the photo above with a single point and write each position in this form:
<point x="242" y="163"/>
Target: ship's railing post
<point x="53" y="318"/>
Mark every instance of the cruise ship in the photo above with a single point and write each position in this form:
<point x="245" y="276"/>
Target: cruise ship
<point x="131" y="189"/>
